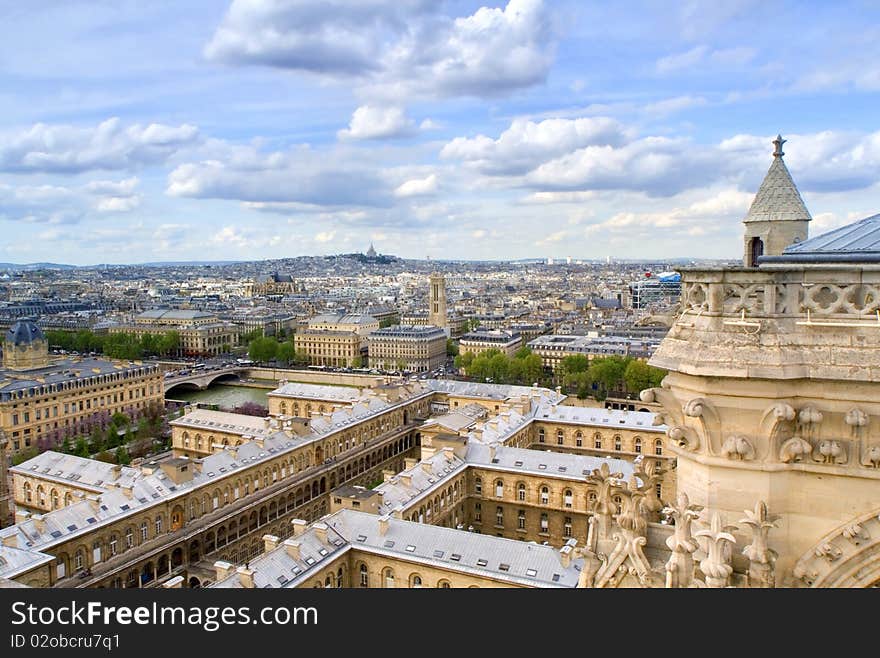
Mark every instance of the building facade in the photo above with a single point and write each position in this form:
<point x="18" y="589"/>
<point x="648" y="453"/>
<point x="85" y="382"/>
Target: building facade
<point x="325" y="347"/>
<point x="41" y="402"/>
<point x="482" y="340"/>
<point x="417" y="349"/>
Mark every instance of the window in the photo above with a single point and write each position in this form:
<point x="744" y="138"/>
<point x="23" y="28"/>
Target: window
<point x="591" y="499"/>
<point x="365" y="578"/>
<point x="659" y="489"/>
<point x="78" y="560"/>
<point x="597" y="441"/>
<point x="415" y="581"/>
<point x="545" y="496"/>
<point x="545" y="523"/>
<point x="129" y="538"/>
<point x="560" y="437"/>
<point x="499" y="516"/>
<point x="478" y="485"/>
<point x="144" y="531"/>
<point x="541" y="435"/>
<point x="96" y="552"/>
<point x="388" y="577"/>
<point x="567" y="498"/>
<point x="478" y="513"/>
<point x="112" y="545"/>
<point x="566" y="527"/>
<point x="658" y="447"/>
<point x="54" y="499"/>
<point x="637" y="445"/>
<point x="158" y="525"/>
<point x="521" y="492"/>
<point x="521" y="520"/>
<point x="618" y="446"/>
<point x="579" y="439"/>
<point x="499" y="488"/>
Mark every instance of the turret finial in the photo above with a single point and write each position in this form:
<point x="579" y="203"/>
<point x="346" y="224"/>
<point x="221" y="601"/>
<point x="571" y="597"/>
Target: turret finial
<point x="777" y="143"/>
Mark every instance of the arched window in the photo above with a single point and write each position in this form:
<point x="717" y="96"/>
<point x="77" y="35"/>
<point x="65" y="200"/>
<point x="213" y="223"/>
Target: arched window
<point x="54" y="497"/>
<point x="41" y="495"/>
<point x="415" y="581"/>
<point x="567" y="498"/>
<point x="159" y="525"/>
<point x="365" y="577"/>
<point x="388" y="577"/>
<point x="560" y="437"/>
<point x="545" y="495"/>
<point x="478" y="485"/>
<point x="597" y="441"/>
<point x="129" y="538"/>
<point x="112" y="545"/>
<point x="144" y="531"/>
<point x="658" y="447"/>
<point x="545" y="523"/>
<point x="521" y="491"/>
<point x="28" y="492"/>
<point x="637" y="444"/>
<point x="521" y="519"/>
<point x="618" y="444"/>
<point x="68" y="499"/>
<point x="444" y="584"/>
<point x="541" y="435"/>
<point x="499" y="516"/>
<point x="499" y="488"/>
<point x="579" y="439"/>
<point x="566" y="527"/>
<point x="78" y="560"/>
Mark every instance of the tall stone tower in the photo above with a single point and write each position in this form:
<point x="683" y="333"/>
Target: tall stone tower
<point x="437" y="301"/>
<point x="777" y="217"/>
<point x="25" y="346"/>
<point x="6" y="517"/>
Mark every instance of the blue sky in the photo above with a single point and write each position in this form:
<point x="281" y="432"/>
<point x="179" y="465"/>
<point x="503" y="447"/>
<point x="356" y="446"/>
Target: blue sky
<point x="134" y="132"/>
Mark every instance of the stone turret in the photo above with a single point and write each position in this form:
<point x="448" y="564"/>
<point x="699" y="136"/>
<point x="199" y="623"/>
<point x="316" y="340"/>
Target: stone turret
<point x="777" y="217"/>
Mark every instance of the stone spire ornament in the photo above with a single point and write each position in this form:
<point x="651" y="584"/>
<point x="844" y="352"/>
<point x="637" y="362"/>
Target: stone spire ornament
<point x="762" y="558"/>
<point x="680" y="566"/>
<point x="719" y="542"/>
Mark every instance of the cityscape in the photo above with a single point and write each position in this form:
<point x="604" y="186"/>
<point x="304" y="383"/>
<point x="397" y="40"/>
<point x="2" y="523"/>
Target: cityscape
<point x="606" y="347"/>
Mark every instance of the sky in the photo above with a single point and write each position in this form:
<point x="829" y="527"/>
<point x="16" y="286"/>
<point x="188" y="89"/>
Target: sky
<point x="259" y="129"/>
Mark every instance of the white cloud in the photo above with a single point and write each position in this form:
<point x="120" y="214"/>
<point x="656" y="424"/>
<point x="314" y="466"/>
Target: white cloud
<point x="526" y="144"/>
<point x="703" y="58"/>
<point x="394" y="49"/>
<point x="417" y="187"/>
<point x="325" y="236"/>
<point x="371" y="122"/>
<point x="110" y="146"/>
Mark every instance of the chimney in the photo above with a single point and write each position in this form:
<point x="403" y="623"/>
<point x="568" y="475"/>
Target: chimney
<point x="406" y="479"/>
<point x="12" y="540"/>
<point x="94" y="502"/>
<point x="292" y="548"/>
<point x="39" y="522"/>
<point x="299" y="526"/>
<point x="448" y="452"/>
<point x="320" y="531"/>
<point x="409" y="462"/>
<point x="383" y="524"/>
<point x="387" y="474"/>
<point x="397" y="512"/>
<point x="174" y="583"/>
<point x="270" y="543"/>
<point x="128" y="490"/>
<point x="266" y="423"/>
<point x="428" y="468"/>
<point x="492" y="448"/>
<point x="233" y="451"/>
<point x="223" y="570"/>
<point x="245" y="577"/>
<point x="558" y="390"/>
<point x="21" y="516"/>
<point x="116" y="470"/>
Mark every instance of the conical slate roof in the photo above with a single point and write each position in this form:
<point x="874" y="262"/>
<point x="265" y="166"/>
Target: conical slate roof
<point x="23" y="332"/>
<point x="778" y="198"/>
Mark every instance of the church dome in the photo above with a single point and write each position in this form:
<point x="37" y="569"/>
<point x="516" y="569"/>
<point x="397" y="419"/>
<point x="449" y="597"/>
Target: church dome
<point x="24" y="332"/>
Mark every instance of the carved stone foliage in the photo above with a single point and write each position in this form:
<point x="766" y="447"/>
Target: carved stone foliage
<point x="795" y="450"/>
<point x="605" y="482"/>
<point x="831" y="452"/>
<point x="680" y="566"/>
<point x="761" y="557"/>
<point x="872" y="457"/>
<point x="849" y="556"/>
<point x="718" y="545"/>
<point x="738" y="447"/>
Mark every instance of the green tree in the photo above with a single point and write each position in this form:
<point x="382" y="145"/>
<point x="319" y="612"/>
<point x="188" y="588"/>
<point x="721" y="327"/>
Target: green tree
<point x="285" y="352"/>
<point x="608" y="372"/>
<point x="522" y="352"/>
<point x="65" y="445"/>
<point x="301" y="358"/>
<point x="120" y="419"/>
<point x="262" y="349"/>
<point x="122" y="456"/>
<point x="250" y="336"/>
<point x="169" y="343"/>
<point x="451" y="347"/>
<point x="81" y="449"/>
<point x="357" y="362"/>
<point x="401" y="364"/>
<point x="573" y="363"/>
<point x="639" y="375"/>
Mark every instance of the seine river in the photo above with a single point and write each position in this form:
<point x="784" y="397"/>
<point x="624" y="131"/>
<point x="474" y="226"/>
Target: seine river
<point x="223" y="395"/>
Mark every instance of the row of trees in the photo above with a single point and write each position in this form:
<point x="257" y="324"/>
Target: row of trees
<point x="116" y="346"/>
<point x="523" y="368"/>
<point x="598" y="376"/>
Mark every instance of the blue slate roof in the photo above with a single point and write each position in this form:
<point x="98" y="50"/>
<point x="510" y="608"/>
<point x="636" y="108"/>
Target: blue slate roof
<point x="23" y="332"/>
<point x="861" y="237"/>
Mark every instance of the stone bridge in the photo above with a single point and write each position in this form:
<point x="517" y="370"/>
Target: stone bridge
<point x="202" y="379"/>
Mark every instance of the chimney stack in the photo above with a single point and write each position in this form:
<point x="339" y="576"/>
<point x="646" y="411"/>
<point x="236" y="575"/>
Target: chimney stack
<point x="270" y="542"/>
<point x="223" y="570"/>
<point x="292" y="548"/>
<point x="299" y="526"/>
<point x="383" y="524"/>
<point x="320" y="531"/>
<point x="245" y="577"/>
<point x="409" y="462"/>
